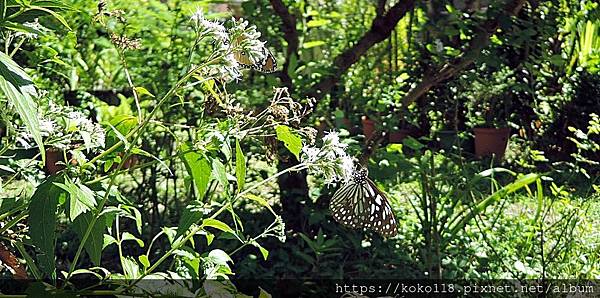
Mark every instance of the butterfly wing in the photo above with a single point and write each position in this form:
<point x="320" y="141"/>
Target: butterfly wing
<point x="268" y="65"/>
<point x="381" y="217"/>
<point x="243" y="59"/>
<point x="362" y="205"/>
<point x="347" y="206"/>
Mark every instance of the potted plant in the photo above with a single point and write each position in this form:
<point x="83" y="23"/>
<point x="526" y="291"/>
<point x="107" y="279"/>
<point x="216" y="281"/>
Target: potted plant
<point x="401" y="125"/>
<point x="448" y="136"/>
<point x="370" y="120"/>
<point x="489" y="107"/>
<point x="368" y="126"/>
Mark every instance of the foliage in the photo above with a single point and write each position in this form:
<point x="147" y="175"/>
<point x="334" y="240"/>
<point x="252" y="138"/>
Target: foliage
<point x="135" y="147"/>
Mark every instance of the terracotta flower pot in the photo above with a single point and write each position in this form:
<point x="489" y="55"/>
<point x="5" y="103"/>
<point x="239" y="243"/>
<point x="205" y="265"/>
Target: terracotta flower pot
<point x="53" y="157"/>
<point x="491" y="141"/>
<point x="347" y="124"/>
<point x="368" y="126"/>
<point x="398" y="135"/>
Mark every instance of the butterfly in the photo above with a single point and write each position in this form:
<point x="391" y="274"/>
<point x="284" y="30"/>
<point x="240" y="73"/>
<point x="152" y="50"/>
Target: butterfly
<point x="266" y="65"/>
<point x="360" y="204"/>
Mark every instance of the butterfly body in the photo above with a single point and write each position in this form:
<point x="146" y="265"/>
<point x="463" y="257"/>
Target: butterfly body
<point x="360" y="204"/>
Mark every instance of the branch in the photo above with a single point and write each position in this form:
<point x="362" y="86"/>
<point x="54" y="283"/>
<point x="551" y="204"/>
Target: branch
<point x="452" y="68"/>
<point x="290" y="34"/>
<point x="381" y="29"/>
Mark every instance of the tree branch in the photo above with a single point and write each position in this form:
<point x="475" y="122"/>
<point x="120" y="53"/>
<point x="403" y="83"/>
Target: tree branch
<point x="380" y="30"/>
<point x="450" y="69"/>
<point x="290" y="34"/>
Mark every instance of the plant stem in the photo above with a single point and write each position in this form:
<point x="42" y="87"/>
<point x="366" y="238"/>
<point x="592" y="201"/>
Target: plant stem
<point x="179" y="244"/>
<point x="133" y="132"/>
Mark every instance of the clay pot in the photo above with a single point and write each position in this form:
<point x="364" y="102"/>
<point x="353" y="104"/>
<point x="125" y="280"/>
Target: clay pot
<point x="53" y="157"/>
<point x="399" y="135"/>
<point x="491" y="141"/>
<point x="368" y="126"/>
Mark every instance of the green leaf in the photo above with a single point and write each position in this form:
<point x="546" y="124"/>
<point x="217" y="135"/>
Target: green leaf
<point x="108" y="240"/>
<point x="22" y="28"/>
<point x="18" y="87"/>
<point x="263" y="293"/>
<point x="143" y="91"/>
<point x="412" y="143"/>
<point x="141" y="152"/>
<point x="291" y="141"/>
<point x="219" y="257"/>
<point x="263" y="251"/>
<point x="54" y="14"/>
<point x="198" y="168"/>
<point x="317" y="23"/>
<point x="95" y="242"/>
<point x="42" y="222"/>
<point x="217" y="224"/>
<point x="128" y="236"/>
<point x="462" y="219"/>
<point x="81" y="198"/>
<point x="240" y="166"/>
<point x="119" y="127"/>
<point x="312" y="44"/>
<point x="144" y="260"/>
<point x="192" y="214"/>
<point x="131" y="269"/>
<point x="260" y="201"/>
<point x="209" y="238"/>
<point x="220" y="174"/>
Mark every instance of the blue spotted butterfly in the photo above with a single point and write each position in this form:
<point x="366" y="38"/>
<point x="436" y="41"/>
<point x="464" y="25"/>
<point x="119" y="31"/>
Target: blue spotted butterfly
<point x="360" y="204"/>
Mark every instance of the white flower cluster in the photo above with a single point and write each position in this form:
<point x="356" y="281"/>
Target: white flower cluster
<point x="205" y="27"/>
<point x="247" y="41"/>
<point x="62" y="127"/>
<point x="330" y="160"/>
<point x="240" y="40"/>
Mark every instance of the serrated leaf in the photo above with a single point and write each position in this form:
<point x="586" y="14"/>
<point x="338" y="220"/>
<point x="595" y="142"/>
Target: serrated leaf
<point x="95" y="242"/>
<point x="18" y="88"/>
<point x="198" y="168"/>
<point x="240" y="166"/>
<point x="42" y="222"/>
<point x="291" y="141"/>
<point x="131" y="269"/>
<point x="81" y="198"/>
<point x="192" y="213"/>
